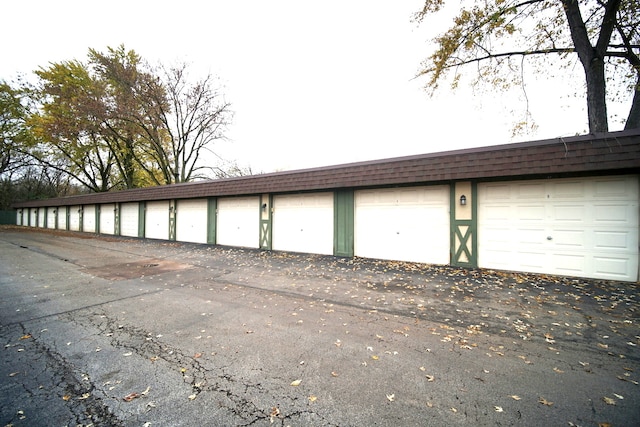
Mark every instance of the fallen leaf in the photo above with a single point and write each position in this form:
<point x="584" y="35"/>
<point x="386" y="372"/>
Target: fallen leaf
<point x="146" y="391"/>
<point x="545" y="401"/>
<point x="334" y="374"/>
<point x="609" y="401"/>
<point x="25" y="337"/>
<point x="498" y="408"/>
<point x="274" y="413"/>
<point x="296" y="383"/>
<point x="454" y="410"/>
<point x="66" y="397"/>
<point x="13" y="374"/>
<point x="192" y="396"/>
<point x="391" y="397"/>
<point x="127" y="354"/>
<point x="313" y="398"/>
<point x="515" y="397"/>
<point x="618" y="396"/>
<point x="84" y="396"/>
<point x="558" y="371"/>
<point x="374" y="357"/>
<point x="129" y="397"/>
<point x="603" y="345"/>
<point x="604" y="425"/>
<point x="430" y="378"/>
<point x="197" y="355"/>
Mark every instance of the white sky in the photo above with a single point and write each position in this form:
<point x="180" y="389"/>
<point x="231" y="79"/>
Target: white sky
<point x="311" y="83"/>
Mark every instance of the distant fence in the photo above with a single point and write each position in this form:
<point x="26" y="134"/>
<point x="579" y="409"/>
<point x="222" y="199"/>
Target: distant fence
<point x="8" y="217"/>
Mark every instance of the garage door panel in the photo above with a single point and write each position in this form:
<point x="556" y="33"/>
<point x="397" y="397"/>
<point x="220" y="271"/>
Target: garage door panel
<point x="303" y="223"/>
<point x="89" y="219"/>
<point x="238" y="222"/>
<point x="51" y="217"/>
<point x="107" y="219"/>
<point x="584" y="226"/>
<point x="74" y="218"/>
<point x="410" y="224"/>
<point x="129" y="219"/>
<point x="157" y="220"/>
<point x="191" y="221"/>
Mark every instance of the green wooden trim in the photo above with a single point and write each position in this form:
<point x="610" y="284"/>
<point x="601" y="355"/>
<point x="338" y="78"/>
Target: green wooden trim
<point x="81" y="218"/>
<point x="142" y="209"/>
<point x="212" y="219"/>
<point x="266" y="224"/>
<point x="116" y="219"/>
<point x="97" y="214"/>
<point x="343" y="223"/>
<point x="46" y="214"/>
<point x="173" y="217"/>
<point x="67" y="212"/>
<point x="469" y="239"/>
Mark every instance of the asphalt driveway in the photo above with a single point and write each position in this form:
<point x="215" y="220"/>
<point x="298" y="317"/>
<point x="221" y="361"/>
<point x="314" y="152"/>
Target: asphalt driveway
<point x="126" y="332"/>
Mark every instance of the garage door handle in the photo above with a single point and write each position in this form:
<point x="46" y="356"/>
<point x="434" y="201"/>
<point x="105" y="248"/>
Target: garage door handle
<point x="549" y="238"/>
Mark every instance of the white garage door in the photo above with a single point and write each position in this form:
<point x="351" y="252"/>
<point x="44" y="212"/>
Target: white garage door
<point x="129" y="219"/>
<point x="89" y="219"/>
<point x="62" y="217"/>
<point x="51" y="217"/>
<point x="303" y="223"/>
<point x="578" y="227"/>
<point x="33" y="217"/>
<point x="18" y="217"/>
<point x="407" y="224"/>
<point x="156" y="225"/>
<point x="238" y="222"/>
<point x="191" y="221"/>
<point x="41" y="215"/>
<point x="74" y="218"/>
<point x="107" y="218"/>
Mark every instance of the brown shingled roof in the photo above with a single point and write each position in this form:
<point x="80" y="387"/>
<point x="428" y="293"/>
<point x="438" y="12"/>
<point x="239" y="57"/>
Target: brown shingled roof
<point x="616" y="152"/>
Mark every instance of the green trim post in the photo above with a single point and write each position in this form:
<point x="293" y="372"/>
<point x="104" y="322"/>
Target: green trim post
<point x="142" y="209"/>
<point x="212" y="218"/>
<point x="343" y="223"/>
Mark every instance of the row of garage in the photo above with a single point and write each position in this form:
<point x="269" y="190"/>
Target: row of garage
<point x="583" y="226"/>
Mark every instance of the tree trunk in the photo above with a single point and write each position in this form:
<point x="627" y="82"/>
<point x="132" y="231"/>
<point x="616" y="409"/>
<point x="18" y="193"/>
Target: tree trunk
<point x="596" y="95"/>
<point x="633" y="120"/>
<point x="592" y="59"/>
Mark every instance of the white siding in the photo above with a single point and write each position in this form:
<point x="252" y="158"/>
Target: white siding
<point x="129" y="219"/>
<point x="578" y="227"/>
<point x="156" y="224"/>
<point x="191" y="221"/>
<point x="303" y="223"/>
<point x="407" y="224"/>
<point x="238" y="222"/>
<point x="107" y="218"/>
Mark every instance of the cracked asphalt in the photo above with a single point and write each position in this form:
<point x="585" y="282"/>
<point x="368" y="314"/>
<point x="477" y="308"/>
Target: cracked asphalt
<point x="110" y="331"/>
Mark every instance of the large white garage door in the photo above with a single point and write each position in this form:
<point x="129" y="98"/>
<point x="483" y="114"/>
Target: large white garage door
<point x="238" y="222"/>
<point x="89" y="219"/>
<point x="107" y="218"/>
<point x="303" y="223"/>
<point x="33" y="217"/>
<point x="407" y="224"/>
<point x="62" y="217"/>
<point x="156" y="224"/>
<point x="191" y="221"/>
<point x="578" y="227"/>
<point x="51" y="217"/>
<point x="129" y="219"/>
<point x="74" y="218"/>
<point x="41" y="215"/>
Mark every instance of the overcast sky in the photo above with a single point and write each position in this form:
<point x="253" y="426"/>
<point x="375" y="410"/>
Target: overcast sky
<point x="311" y="83"/>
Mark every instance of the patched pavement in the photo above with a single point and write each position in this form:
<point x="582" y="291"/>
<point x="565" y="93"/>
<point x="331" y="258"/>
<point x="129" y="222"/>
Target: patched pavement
<point x="116" y="331"/>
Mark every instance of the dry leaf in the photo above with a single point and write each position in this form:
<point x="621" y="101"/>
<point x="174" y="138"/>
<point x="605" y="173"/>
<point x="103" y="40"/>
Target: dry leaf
<point x="13" y="374"/>
<point x="197" y="355"/>
<point x="192" y="396"/>
<point x="515" y="397"/>
<point x="558" y="371"/>
<point x="545" y="401"/>
<point x="498" y="408"/>
<point x="391" y="397"/>
<point x="66" y="397"/>
<point x="127" y="354"/>
<point x="603" y="345"/>
<point x="618" y="396"/>
<point x="129" y="397"/>
<point x="84" y="396"/>
<point x="454" y="410"/>
<point x="430" y="378"/>
<point x="274" y="413"/>
<point x="313" y="398"/>
<point x="334" y="374"/>
<point x="609" y="401"/>
<point x="296" y="383"/>
<point x="374" y="357"/>
<point x="146" y="391"/>
<point x="25" y="337"/>
<point x="604" y="425"/>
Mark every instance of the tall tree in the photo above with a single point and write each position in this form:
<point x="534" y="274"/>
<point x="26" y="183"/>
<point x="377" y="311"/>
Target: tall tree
<point x="498" y="35"/>
<point x="14" y="132"/>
